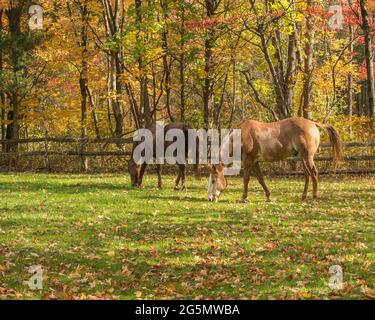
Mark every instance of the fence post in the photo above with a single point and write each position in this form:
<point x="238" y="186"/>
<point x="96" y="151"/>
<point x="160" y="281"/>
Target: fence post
<point x="84" y="159"/>
<point x="12" y="150"/>
<point x="46" y="153"/>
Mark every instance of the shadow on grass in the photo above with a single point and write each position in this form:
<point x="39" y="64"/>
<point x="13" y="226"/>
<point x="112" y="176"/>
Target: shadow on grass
<point x="55" y="187"/>
<point x="184" y="257"/>
<point x="211" y="248"/>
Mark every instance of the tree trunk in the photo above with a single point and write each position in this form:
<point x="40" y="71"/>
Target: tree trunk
<point x="94" y="102"/>
<point x="3" y="114"/>
<point x="166" y="63"/>
<point x="109" y="96"/>
<point x="14" y="17"/>
<point x="369" y="57"/>
<point x="2" y="94"/>
<point x="283" y="81"/>
<point x="145" y="102"/>
<point x="182" y="64"/>
<point x="133" y="105"/>
<point x="350" y="79"/>
<point x="83" y="81"/>
<point x="289" y="78"/>
<point x="308" y="68"/>
<point x="208" y="90"/>
<point x="113" y="28"/>
<point x="118" y="109"/>
<point x="114" y="94"/>
<point x="143" y="80"/>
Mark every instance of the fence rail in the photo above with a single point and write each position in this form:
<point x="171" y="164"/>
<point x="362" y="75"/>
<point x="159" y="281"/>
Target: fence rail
<point x="130" y="141"/>
<point x="124" y="153"/>
<point x="81" y="148"/>
<point x="68" y="140"/>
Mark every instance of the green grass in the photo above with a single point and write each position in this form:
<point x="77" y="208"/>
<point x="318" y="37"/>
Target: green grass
<point x="96" y="237"/>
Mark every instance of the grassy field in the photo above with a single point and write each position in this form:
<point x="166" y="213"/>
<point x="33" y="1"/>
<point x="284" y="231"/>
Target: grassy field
<point x="96" y="237"/>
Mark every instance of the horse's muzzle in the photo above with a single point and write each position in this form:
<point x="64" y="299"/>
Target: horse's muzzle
<point x="213" y="198"/>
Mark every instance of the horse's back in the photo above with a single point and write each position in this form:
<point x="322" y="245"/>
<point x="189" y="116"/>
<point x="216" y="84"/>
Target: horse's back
<point x="287" y="128"/>
<point x="173" y="125"/>
<point x="278" y="140"/>
<point x="177" y="125"/>
<point x="154" y="127"/>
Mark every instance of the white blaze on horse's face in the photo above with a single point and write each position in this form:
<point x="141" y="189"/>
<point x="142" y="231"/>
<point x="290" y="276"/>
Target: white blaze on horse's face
<point x="213" y="194"/>
<point x="216" y="183"/>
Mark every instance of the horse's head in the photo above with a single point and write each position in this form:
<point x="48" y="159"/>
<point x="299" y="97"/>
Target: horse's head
<point x="134" y="170"/>
<point x="217" y="182"/>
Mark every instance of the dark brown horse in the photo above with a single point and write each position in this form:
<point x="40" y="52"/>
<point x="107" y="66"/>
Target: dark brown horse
<point x="137" y="171"/>
<point x="273" y="142"/>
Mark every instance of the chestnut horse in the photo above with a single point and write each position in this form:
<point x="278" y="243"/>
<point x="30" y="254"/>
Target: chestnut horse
<point x="137" y="171"/>
<point x="273" y="142"/>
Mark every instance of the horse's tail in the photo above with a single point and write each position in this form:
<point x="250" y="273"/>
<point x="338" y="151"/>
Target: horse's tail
<point x="334" y="137"/>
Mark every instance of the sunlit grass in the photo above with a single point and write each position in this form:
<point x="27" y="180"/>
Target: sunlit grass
<point x="96" y="237"/>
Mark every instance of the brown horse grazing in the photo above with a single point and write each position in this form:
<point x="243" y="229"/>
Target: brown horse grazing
<point x="137" y="171"/>
<point x="273" y="142"/>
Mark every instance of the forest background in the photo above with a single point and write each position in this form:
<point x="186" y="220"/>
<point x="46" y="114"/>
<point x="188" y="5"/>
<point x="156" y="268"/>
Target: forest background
<point x="103" y="68"/>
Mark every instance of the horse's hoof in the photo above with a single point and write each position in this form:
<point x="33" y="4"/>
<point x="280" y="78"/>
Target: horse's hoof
<point x="268" y="200"/>
<point x="243" y="201"/>
<point x="176" y="188"/>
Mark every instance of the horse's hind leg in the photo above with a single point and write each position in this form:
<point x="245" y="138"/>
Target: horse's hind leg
<point x="246" y="179"/>
<point x="310" y="167"/>
<point x="178" y="179"/>
<point x="158" y="171"/>
<point x="307" y="179"/>
<point x="260" y="177"/>
<point x="314" y="176"/>
<point x="183" y="175"/>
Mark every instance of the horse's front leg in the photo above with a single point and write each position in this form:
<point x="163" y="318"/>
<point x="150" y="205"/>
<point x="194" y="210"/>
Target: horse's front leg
<point x="246" y="179"/>
<point x="178" y="180"/>
<point x="143" y="169"/>
<point x="158" y="171"/>
<point x="181" y="176"/>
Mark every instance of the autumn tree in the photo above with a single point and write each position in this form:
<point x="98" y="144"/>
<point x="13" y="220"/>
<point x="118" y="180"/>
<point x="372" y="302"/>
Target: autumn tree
<point x="369" y="56"/>
<point x="16" y="77"/>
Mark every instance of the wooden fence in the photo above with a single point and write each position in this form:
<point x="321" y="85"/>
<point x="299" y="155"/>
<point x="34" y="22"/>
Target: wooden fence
<point x="45" y="148"/>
